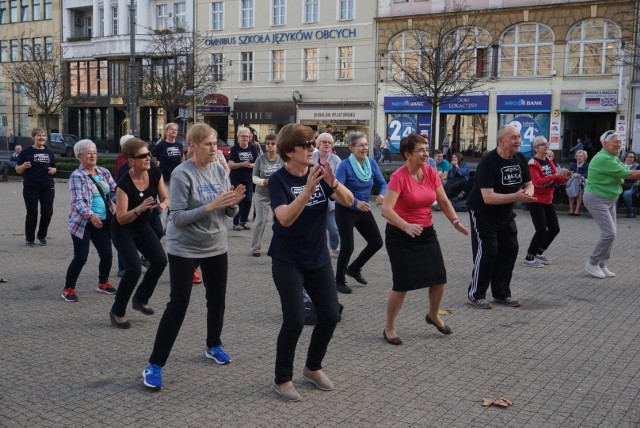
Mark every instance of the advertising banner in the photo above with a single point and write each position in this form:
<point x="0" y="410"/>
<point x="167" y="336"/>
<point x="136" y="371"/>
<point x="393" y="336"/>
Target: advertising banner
<point x="589" y="101"/>
<point x="523" y="102"/>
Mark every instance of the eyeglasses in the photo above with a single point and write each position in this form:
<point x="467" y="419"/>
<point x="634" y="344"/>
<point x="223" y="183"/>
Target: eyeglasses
<point x="142" y="156"/>
<point x="361" y="146"/>
<point x="306" y="144"/>
<point x="324" y="141"/>
<point x="542" y="144"/>
<point x="422" y="151"/>
<point x="90" y="154"/>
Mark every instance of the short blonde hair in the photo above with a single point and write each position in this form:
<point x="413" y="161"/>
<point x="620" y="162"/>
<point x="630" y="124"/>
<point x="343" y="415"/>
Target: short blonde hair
<point x="584" y="152"/>
<point x="199" y="132"/>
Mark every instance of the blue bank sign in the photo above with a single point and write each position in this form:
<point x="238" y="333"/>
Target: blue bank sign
<point x="471" y="103"/>
<point x="282" y="37"/>
<point x="537" y="102"/>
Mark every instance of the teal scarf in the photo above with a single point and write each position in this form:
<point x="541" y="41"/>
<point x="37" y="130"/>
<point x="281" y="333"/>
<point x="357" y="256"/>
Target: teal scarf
<point x="362" y="172"/>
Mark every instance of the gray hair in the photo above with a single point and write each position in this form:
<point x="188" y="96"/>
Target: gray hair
<point x="353" y="137"/>
<point x="608" y="135"/>
<point x="244" y="130"/>
<point x="124" y="139"/>
<point x="538" y="140"/>
<point x="503" y="130"/>
<point x="80" y="146"/>
<point x="325" y="136"/>
<point x="584" y="152"/>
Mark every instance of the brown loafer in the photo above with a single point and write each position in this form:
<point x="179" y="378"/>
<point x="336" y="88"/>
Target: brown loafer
<point x="392" y="340"/>
<point x="445" y="329"/>
<point x="319" y="379"/>
<point x="287" y="391"/>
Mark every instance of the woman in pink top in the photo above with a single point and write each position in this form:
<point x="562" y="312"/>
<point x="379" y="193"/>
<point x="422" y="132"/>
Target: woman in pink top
<point x="412" y="244"/>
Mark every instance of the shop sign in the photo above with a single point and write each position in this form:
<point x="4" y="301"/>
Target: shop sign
<point x="264" y="112"/>
<point x="334" y="114"/>
<point x="468" y="103"/>
<point x="510" y="102"/>
<point x="283" y="37"/>
<point x="215" y="100"/>
<point x="408" y="104"/>
<point x="213" y="109"/>
<point x="589" y="101"/>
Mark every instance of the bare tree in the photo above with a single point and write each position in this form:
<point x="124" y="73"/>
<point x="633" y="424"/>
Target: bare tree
<point x="443" y="56"/>
<point x="177" y="71"/>
<point x="39" y="77"/>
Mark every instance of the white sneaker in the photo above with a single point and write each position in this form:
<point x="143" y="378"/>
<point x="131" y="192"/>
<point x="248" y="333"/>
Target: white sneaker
<point x="532" y="263"/>
<point x="594" y="270"/>
<point x="607" y="272"/>
<point x="543" y="259"/>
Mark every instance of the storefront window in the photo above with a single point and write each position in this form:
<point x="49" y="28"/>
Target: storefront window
<point x="530" y="126"/>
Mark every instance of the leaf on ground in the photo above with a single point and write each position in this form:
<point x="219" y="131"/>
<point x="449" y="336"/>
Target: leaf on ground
<point x="444" y="311"/>
<point x="498" y="402"/>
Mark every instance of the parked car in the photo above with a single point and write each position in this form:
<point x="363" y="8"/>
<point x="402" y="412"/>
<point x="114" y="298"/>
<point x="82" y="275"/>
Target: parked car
<point x="62" y="143"/>
<point x="222" y="146"/>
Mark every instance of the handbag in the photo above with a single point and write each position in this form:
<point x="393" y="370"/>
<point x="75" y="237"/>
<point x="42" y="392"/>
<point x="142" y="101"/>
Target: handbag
<point x="107" y="203"/>
<point x="573" y="187"/>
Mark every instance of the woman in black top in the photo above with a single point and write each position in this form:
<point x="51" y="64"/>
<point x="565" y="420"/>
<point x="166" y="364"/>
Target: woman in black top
<point x="299" y="194"/>
<point x="130" y="230"/>
<point x="37" y="165"/>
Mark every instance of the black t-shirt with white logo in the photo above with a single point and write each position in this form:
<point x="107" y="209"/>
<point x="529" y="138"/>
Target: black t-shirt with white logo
<point x="169" y="155"/>
<point x="41" y="160"/>
<point x="304" y="243"/>
<point x="504" y="176"/>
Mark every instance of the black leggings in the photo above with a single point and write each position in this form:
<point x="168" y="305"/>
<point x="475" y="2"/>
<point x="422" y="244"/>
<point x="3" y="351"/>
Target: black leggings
<point x="545" y="220"/>
<point x="365" y="223"/>
<point x="319" y="283"/>
<point x="214" y="277"/>
<point x="245" y="204"/>
<point x="33" y="195"/>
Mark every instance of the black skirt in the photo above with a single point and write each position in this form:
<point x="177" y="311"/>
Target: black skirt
<point x="415" y="262"/>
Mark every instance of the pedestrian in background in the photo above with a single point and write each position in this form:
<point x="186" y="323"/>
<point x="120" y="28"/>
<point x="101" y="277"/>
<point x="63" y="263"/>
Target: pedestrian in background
<point x="266" y="164"/>
<point x="136" y="195"/>
<point x="37" y="165"/>
<point x="606" y="175"/>
<point x="323" y="155"/>
<point x="201" y="200"/>
<point x="580" y="172"/>
<point x="299" y="195"/>
<point x="358" y="173"/>
<point x="241" y="159"/>
<point x="93" y="195"/>
<point x="630" y="187"/>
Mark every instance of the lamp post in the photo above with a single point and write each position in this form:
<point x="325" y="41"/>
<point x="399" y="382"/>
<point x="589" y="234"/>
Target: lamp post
<point x="133" y="96"/>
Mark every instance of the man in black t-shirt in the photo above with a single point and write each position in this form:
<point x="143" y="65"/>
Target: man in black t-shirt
<point x="502" y="178"/>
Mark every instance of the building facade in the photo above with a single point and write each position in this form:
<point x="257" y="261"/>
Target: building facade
<point x="282" y="61"/>
<point x="96" y="50"/>
<point x="552" y="69"/>
<point x="25" y="26"/>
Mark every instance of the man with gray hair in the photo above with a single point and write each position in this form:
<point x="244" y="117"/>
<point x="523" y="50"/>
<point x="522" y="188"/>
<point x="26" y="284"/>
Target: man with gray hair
<point x="502" y="178"/>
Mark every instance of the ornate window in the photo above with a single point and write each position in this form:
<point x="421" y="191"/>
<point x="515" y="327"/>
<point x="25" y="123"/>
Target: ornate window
<point x="526" y="50"/>
<point x="403" y="54"/>
<point x="593" y="47"/>
<point x="467" y="49"/>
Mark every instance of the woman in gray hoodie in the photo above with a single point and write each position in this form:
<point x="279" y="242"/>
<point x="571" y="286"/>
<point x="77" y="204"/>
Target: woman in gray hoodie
<point x="196" y="235"/>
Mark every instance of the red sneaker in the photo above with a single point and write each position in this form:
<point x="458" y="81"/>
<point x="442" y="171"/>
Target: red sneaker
<point x="197" y="279"/>
<point x="69" y="295"/>
<point x="106" y="288"/>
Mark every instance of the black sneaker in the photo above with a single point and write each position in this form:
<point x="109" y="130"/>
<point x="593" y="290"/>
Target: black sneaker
<point x="343" y="288"/>
<point x="30" y="244"/>
<point x="246" y="226"/>
<point x="357" y="275"/>
<point x="42" y="242"/>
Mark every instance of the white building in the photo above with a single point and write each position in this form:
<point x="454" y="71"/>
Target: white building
<point x="96" y="49"/>
<point x="282" y="61"/>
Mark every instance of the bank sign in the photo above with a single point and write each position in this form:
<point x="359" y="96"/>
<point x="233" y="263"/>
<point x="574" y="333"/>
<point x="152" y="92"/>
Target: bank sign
<point x="467" y="103"/>
<point x="537" y="102"/>
<point x="282" y="37"/>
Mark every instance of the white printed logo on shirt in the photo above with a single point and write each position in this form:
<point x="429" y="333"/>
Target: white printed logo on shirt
<point x="41" y="158"/>
<point x="174" y="151"/>
<point x="245" y="156"/>
<point x="511" y="175"/>
<point x="208" y="192"/>
<point x="318" y="196"/>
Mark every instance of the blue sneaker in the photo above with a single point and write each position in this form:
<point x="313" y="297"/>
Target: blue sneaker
<point x="152" y="376"/>
<point x="217" y="354"/>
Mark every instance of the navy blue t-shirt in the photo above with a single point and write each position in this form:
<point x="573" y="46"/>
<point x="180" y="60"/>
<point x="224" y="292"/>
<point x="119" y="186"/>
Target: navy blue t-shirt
<point x="41" y="160"/>
<point x="169" y="155"/>
<point x="238" y="155"/>
<point x="304" y="243"/>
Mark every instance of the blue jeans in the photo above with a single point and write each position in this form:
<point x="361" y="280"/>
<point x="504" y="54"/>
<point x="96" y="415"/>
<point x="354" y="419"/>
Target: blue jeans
<point x="627" y="197"/>
<point x="332" y="228"/>
<point x="101" y="239"/>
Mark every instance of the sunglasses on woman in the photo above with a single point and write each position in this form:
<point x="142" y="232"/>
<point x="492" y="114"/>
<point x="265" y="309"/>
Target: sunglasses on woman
<point x="306" y="144"/>
<point x="142" y="156"/>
